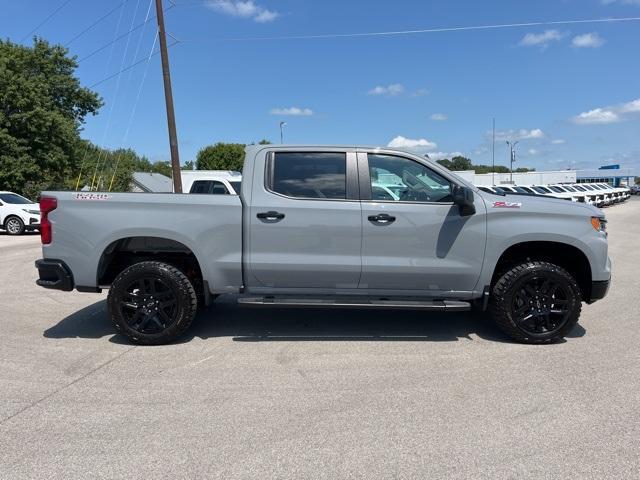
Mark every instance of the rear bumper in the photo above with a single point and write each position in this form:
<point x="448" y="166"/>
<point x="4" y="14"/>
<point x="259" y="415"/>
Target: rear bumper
<point x="599" y="290"/>
<point x="54" y="274"/>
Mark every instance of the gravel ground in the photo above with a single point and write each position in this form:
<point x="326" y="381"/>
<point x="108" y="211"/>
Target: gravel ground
<point x="317" y="394"/>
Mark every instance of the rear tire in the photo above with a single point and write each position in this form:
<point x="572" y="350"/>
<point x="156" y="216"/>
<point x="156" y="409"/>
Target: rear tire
<point x="14" y="226"/>
<point x="152" y="303"/>
<point x="536" y="302"/>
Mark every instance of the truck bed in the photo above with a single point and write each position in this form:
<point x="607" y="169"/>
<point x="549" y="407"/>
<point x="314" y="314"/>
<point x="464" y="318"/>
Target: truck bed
<point x="86" y="224"/>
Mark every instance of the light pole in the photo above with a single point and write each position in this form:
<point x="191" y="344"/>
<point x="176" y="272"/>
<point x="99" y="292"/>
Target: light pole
<point x="282" y="124"/>
<point x="512" y="150"/>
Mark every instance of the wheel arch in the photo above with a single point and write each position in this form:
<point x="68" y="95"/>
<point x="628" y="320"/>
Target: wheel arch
<point x="126" y="251"/>
<point x="569" y="257"/>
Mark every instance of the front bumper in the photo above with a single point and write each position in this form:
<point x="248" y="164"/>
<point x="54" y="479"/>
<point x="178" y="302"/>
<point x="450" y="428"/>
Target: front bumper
<point x="54" y="274"/>
<point x="599" y="290"/>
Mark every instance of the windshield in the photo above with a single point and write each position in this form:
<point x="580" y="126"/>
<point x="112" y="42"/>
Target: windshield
<point x="14" y="198"/>
<point x="541" y="190"/>
<point x="588" y="187"/>
<point x="520" y="190"/>
<point x="569" y="189"/>
<point x="579" y="188"/>
<point x="556" y="189"/>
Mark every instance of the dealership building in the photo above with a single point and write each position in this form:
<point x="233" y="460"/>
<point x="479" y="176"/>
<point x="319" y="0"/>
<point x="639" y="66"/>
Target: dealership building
<point x="612" y="174"/>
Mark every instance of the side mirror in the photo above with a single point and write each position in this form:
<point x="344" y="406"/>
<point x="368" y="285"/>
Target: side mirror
<point x="463" y="197"/>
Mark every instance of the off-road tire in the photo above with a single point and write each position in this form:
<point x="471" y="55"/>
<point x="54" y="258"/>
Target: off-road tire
<point x="179" y="285"/>
<point x="502" y="300"/>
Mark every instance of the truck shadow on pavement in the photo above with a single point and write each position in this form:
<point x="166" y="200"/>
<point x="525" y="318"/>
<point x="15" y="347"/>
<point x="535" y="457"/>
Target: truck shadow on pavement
<point x="226" y="319"/>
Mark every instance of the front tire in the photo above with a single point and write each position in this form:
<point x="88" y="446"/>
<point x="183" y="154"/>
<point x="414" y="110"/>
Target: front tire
<point x="14" y="226"/>
<point x="536" y="302"/>
<point x="152" y="303"/>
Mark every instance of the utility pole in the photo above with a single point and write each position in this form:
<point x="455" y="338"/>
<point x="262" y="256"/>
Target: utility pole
<point x="493" y="154"/>
<point x="512" y="151"/>
<point x="168" y="96"/>
<point x="282" y="124"/>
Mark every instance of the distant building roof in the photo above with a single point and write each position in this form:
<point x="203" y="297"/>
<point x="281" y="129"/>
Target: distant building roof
<point x="151" y="182"/>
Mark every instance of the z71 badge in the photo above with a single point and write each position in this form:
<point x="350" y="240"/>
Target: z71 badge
<point x="507" y="204"/>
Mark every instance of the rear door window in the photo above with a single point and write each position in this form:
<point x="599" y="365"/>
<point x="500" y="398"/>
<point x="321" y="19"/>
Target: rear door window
<point x="309" y="175"/>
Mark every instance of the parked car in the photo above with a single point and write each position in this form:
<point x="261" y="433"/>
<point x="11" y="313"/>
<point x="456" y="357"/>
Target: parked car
<point x="634" y="190"/>
<point x="18" y="214"/>
<point x="306" y="231"/>
<point x="215" y="182"/>
<point x="576" y="196"/>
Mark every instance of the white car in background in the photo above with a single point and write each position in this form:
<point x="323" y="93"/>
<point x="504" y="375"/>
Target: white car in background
<point x="18" y="214"/>
<point x="578" y="196"/>
<point x="548" y="191"/>
<point x="212" y="182"/>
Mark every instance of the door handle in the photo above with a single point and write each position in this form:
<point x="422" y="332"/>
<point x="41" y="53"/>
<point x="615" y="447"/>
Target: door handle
<point x="382" y="219"/>
<point x="270" y="215"/>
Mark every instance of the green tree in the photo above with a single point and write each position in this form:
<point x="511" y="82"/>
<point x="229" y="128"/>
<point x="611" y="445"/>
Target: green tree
<point x="42" y="106"/>
<point x="188" y="165"/>
<point x="457" y="163"/>
<point x="221" y="156"/>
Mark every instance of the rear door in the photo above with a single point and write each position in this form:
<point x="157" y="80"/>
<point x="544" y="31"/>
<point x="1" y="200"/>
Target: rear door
<point x="305" y="226"/>
<point x="417" y="240"/>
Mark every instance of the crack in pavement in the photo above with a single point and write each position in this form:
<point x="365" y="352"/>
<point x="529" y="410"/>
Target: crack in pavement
<point x="49" y="395"/>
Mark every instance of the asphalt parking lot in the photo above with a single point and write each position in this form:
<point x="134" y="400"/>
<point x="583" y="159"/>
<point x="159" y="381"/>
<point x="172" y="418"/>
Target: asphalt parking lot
<point x="317" y="394"/>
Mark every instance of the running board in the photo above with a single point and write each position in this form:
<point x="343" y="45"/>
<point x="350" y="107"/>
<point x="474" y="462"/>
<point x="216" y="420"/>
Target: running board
<point x="382" y="303"/>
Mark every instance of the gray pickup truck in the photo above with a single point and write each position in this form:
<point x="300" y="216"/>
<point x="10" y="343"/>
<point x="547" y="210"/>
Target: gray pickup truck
<point x="318" y="226"/>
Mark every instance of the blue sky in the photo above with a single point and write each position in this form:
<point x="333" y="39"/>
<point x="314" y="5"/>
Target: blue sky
<point x="569" y="93"/>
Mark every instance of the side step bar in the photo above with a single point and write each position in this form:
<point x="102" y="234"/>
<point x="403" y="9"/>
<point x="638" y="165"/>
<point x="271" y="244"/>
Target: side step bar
<point x="365" y="302"/>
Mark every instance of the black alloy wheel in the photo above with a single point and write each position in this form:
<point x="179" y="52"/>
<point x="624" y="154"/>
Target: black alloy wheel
<point x="152" y="303"/>
<point x="536" y="302"/>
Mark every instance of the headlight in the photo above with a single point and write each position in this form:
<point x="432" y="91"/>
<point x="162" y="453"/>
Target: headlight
<point x="32" y="212"/>
<point x="599" y="224"/>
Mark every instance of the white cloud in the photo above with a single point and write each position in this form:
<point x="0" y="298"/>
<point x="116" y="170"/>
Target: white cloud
<point x="522" y="134"/>
<point x="439" y="117"/>
<point x="391" y="90"/>
<point x="293" y="111"/>
<point x="558" y="141"/>
<point x="442" y="155"/>
<point x="630" y="107"/>
<point x="542" y="40"/>
<point x="533" y="151"/>
<point x="243" y="9"/>
<point x="418" y="144"/>
<point x="610" y="114"/>
<point x="597" y="115"/>
<point x="588" y="40"/>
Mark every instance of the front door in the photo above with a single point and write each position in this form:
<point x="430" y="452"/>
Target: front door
<point x="305" y="226"/>
<point x="414" y="238"/>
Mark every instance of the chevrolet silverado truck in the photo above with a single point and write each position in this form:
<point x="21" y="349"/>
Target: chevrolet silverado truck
<point x="313" y="227"/>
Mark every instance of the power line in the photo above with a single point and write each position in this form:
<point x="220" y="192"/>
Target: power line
<point x="51" y="15"/>
<point x="116" y="39"/>
<point x="103" y="17"/>
<point x="130" y="66"/>
<point x="435" y="30"/>
<point x="134" y="108"/>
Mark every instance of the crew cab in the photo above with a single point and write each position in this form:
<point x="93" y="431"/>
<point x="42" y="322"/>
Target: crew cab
<point x="310" y="229"/>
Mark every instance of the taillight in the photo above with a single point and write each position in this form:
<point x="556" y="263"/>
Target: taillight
<point x="47" y="204"/>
